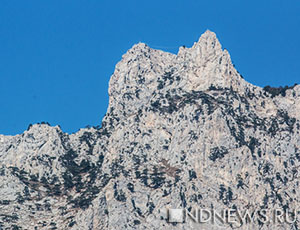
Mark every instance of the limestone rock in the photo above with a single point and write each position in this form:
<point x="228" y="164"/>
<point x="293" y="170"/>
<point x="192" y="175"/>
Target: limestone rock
<point x="181" y="131"/>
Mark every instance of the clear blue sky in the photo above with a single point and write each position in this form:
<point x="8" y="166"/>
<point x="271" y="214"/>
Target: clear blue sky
<point x="56" y="57"/>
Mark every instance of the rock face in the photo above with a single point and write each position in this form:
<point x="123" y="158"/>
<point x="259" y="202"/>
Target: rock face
<point x="182" y="131"/>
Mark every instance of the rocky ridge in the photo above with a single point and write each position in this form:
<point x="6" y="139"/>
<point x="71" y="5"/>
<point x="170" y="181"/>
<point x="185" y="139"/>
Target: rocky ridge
<point x="181" y="131"/>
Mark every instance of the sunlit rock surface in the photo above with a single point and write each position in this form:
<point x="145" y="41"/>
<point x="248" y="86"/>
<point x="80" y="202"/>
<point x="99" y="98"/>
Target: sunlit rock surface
<point x="181" y="131"/>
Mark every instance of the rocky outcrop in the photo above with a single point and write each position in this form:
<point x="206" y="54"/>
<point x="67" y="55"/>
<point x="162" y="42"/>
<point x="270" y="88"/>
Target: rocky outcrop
<point x="181" y="131"/>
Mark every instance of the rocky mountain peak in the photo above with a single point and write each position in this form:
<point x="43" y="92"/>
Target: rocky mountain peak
<point x="207" y="47"/>
<point x="181" y="132"/>
<point x="207" y="64"/>
<point x="144" y="71"/>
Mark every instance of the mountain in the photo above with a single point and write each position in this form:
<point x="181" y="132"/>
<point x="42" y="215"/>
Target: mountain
<point x="183" y="132"/>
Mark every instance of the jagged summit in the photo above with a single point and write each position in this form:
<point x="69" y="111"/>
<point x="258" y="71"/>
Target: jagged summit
<point x="208" y="41"/>
<point x="139" y="48"/>
<point x="208" y="48"/>
<point x="208" y="34"/>
<point x="205" y="64"/>
<point x="208" y="45"/>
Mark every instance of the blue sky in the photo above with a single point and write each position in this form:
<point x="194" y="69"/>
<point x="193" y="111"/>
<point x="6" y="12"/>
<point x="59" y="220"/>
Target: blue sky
<point x="56" y="57"/>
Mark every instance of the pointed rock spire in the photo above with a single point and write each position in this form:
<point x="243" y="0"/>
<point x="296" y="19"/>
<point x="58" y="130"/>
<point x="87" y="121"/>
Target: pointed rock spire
<point x="207" y="48"/>
<point x="208" y="44"/>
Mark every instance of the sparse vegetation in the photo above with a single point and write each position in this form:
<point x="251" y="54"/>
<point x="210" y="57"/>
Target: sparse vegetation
<point x="275" y="91"/>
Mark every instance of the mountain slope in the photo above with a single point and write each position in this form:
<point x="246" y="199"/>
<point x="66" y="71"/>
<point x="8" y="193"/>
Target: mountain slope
<point x="181" y="131"/>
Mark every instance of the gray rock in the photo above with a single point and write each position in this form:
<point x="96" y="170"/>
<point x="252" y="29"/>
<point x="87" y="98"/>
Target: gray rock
<point x="182" y="131"/>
